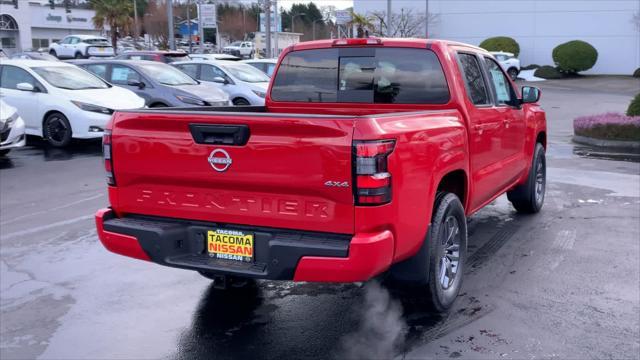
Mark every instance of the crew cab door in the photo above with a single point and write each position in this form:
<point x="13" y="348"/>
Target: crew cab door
<point x="485" y="129"/>
<point x="513" y="122"/>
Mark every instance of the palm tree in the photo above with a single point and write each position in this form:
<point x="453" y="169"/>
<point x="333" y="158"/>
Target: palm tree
<point x="362" y="22"/>
<point x="115" y="13"/>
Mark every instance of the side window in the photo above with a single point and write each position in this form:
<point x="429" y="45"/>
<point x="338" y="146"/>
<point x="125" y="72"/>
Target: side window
<point x="98" y="69"/>
<point x="65" y="40"/>
<point x="123" y="74"/>
<point x="189" y="69"/>
<point x="504" y="92"/>
<point x="476" y="88"/>
<point x="12" y="76"/>
<point x="208" y="72"/>
<point x="74" y="40"/>
<point x="270" y="68"/>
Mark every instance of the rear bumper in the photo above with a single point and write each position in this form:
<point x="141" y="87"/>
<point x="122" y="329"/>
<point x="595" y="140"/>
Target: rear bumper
<point x="279" y="254"/>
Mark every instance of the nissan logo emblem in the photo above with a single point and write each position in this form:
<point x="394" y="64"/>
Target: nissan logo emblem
<point x="219" y="160"/>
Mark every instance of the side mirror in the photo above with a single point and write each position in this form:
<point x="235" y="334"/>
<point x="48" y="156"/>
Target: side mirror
<point x="139" y="84"/>
<point x="530" y="94"/>
<point x="25" y="87"/>
<point x="220" y="80"/>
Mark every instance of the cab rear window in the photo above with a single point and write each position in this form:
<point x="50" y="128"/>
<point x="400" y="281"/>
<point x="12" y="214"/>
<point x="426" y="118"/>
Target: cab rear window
<point x="361" y="75"/>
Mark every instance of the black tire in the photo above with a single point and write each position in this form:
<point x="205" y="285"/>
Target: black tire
<point x="57" y="130"/>
<point x="4" y="152"/>
<point x="528" y="198"/>
<point x="513" y="73"/>
<point x="422" y="273"/>
<point x="241" y="102"/>
<point x="78" y="55"/>
<point x="53" y="53"/>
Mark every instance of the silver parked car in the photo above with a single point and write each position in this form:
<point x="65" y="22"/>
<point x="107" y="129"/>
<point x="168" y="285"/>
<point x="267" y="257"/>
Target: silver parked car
<point x="159" y="84"/>
<point x="267" y="66"/>
<point x="245" y="84"/>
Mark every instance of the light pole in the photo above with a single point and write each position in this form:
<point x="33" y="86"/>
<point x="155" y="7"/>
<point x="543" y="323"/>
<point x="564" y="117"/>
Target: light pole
<point x="313" y="25"/>
<point x="172" y="38"/>
<point x="135" y="23"/>
<point x="388" y="18"/>
<point x="293" y="21"/>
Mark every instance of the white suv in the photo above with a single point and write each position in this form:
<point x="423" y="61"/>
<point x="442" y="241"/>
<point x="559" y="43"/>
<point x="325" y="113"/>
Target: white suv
<point x="81" y="46"/>
<point x="509" y="63"/>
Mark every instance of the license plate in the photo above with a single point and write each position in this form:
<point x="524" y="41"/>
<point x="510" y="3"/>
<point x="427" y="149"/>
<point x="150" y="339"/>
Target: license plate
<point x="230" y="245"/>
<point x="101" y="49"/>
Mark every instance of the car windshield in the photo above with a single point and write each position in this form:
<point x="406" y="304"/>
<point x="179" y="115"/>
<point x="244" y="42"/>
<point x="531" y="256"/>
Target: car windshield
<point x="167" y="75"/>
<point x="246" y="73"/>
<point x="70" y="78"/>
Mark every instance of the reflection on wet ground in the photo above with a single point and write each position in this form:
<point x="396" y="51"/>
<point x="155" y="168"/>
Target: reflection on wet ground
<point x="38" y="150"/>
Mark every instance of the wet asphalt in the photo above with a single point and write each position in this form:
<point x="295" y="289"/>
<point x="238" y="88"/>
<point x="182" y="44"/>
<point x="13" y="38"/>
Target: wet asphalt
<point x="560" y="284"/>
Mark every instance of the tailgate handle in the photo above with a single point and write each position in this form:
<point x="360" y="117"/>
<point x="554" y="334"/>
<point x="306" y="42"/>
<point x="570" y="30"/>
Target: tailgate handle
<point x="237" y="135"/>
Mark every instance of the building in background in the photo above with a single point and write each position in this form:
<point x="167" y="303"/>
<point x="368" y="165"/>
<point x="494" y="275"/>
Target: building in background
<point x="35" y="25"/>
<point x="537" y="25"/>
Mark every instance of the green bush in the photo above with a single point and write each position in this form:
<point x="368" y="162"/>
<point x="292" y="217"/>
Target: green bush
<point x="636" y="73"/>
<point x="501" y="43"/>
<point x="634" y="107"/>
<point x="530" y="67"/>
<point x="574" y="56"/>
<point x="547" y="72"/>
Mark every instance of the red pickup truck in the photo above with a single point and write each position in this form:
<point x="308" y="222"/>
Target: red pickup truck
<point x="366" y="158"/>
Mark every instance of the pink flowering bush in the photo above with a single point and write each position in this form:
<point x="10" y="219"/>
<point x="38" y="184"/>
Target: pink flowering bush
<point x="612" y="126"/>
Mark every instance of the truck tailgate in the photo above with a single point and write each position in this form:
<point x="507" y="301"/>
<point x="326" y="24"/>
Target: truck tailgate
<point x="164" y="167"/>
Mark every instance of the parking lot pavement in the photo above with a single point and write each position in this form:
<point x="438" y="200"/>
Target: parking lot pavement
<point x="560" y="284"/>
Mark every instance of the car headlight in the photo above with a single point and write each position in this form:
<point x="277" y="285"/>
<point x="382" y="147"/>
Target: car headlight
<point x="191" y="100"/>
<point x="261" y="94"/>
<point x="93" y="108"/>
<point x="4" y="125"/>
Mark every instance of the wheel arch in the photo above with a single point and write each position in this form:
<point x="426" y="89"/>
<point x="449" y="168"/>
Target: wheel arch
<point x="455" y="182"/>
<point x="542" y="138"/>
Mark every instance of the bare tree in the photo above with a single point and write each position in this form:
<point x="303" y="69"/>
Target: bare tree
<point x="404" y="24"/>
<point x="156" y="22"/>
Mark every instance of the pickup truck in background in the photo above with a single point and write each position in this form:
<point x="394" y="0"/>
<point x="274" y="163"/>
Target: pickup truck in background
<point x="367" y="158"/>
<point x="241" y="49"/>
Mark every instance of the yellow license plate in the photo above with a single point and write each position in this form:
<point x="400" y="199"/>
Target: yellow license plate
<point x="230" y="245"/>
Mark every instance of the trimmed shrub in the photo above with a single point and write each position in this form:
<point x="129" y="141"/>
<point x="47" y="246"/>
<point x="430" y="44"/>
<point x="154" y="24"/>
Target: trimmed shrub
<point x="530" y="67"/>
<point x="609" y="126"/>
<point x="574" y="56"/>
<point x="634" y="107"/>
<point x="501" y="43"/>
<point x="547" y="72"/>
<point x="636" y="73"/>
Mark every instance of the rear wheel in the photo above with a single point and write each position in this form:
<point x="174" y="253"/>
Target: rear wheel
<point x="435" y="273"/>
<point x="240" y="102"/>
<point x="53" y="53"/>
<point x="513" y="73"/>
<point x="57" y="130"/>
<point x="78" y="55"/>
<point x="528" y="198"/>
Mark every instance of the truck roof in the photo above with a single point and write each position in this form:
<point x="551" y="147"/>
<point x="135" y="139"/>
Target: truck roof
<point x="402" y="42"/>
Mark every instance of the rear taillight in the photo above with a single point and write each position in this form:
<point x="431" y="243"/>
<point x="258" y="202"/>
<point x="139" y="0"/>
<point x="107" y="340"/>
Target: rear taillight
<point x="108" y="159"/>
<point x="372" y="178"/>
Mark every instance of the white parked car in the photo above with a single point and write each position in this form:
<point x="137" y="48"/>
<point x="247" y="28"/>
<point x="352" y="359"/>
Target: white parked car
<point x="509" y="63"/>
<point x="240" y="49"/>
<point x="267" y="66"/>
<point x="245" y="84"/>
<point x="60" y="101"/>
<point x="11" y="129"/>
<point x="81" y="46"/>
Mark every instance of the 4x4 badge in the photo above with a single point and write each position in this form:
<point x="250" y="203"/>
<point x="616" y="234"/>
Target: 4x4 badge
<point x="219" y="160"/>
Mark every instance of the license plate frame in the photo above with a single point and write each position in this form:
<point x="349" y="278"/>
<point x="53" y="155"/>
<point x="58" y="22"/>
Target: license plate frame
<point x="233" y="245"/>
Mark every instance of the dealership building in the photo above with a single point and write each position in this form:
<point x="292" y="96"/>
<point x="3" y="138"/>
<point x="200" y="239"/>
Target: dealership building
<point x="611" y="26"/>
<point x="33" y="24"/>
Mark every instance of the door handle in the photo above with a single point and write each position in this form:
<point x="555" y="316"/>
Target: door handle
<point x="506" y="123"/>
<point x="237" y="135"/>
